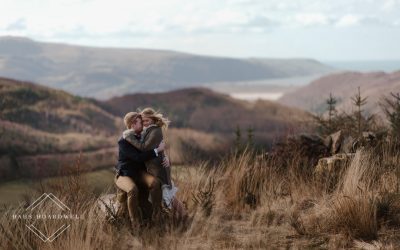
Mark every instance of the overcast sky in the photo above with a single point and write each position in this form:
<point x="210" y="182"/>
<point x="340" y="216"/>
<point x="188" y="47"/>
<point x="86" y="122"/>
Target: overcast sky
<point x="320" y="29"/>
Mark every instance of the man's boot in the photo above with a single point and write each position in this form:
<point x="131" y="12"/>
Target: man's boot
<point x="122" y="210"/>
<point x="133" y="207"/>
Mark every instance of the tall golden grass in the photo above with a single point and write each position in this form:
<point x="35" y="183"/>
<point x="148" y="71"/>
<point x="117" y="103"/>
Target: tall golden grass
<point x="245" y="201"/>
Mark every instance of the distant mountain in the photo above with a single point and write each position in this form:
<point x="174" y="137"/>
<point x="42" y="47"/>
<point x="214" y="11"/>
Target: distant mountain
<point x="366" y="66"/>
<point x="204" y="110"/>
<point x="373" y="85"/>
<point x="107" y="72"/>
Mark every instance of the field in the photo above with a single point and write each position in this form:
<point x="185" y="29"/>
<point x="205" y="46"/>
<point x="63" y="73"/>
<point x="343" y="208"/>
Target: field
<point x="12" y="192"/>
<point x="246" y="201"/>
<point x="101" y="181"/>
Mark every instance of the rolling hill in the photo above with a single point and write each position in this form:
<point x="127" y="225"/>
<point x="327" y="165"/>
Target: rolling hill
<point x="52" y="110"/>
<point x="107" y="72"/>
<point x="343" y="86"/>
<point x="42" y="130"/>
<point x="204" y="110"/>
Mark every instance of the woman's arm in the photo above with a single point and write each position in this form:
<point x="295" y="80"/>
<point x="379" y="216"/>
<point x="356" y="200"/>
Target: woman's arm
<point x="152" y="140"/>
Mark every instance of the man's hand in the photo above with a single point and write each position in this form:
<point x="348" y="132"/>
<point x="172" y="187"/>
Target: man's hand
<point x="165" y="162"/>
<point x="161" y="147"/>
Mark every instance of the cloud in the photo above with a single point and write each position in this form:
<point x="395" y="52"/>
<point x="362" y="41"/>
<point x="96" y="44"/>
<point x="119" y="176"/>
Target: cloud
<point x="309" y="19"/>
<point x="389" y="5"/>
<point x="367" y="21"/>
<point x="181" y="24"/>
<point x="154" y="17"/>
<point x="347" y="20"/>
<point x="18" y="25"/>
<point x="373" y="21"/>
<point x="262" y="22"/>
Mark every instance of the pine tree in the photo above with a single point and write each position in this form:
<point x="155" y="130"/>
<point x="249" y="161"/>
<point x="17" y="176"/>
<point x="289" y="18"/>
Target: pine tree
<point x="238" y="140"/>
<point x="359" y="102"/>
<point x="328" y="125"/>
<point x="331" y="101"/>
<point x="250" y="136"/>
<point x="391" y="108"/>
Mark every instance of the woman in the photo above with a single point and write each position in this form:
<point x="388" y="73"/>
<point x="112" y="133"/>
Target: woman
<point x="152" y="135"/>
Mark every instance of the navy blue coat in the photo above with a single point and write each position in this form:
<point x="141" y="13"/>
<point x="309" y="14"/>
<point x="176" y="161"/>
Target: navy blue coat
<point x="131" y="160"/>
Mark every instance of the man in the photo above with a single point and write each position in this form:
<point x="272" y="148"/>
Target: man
<point x="132" y="178"/>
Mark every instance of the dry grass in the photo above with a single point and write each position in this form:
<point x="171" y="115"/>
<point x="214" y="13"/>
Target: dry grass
<point x="246" y="201"/>
<point x="187" y="145"/>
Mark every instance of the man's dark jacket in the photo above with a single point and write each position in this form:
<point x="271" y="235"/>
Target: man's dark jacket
<point x="131" y="160"/>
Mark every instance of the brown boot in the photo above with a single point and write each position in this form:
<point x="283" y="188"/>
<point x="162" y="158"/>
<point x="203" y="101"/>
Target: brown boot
<point x="133" y="207"/>
<point x="122" y="210"/>
<point x="156" y="199"/>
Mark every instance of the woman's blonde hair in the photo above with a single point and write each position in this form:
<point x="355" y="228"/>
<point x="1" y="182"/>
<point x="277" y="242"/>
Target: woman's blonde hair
<point x="130" y="118"/>
<point x="156" y="116"/>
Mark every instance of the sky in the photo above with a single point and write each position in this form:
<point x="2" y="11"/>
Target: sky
<point x="319" y="29"/>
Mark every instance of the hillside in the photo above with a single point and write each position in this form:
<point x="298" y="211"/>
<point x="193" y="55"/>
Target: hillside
<point x="107" y="72"/>
<point x="204" y="110"/>
<point x="373" y="85"/>
<point x="43" y="130"/>
<point x="52" y="110"/>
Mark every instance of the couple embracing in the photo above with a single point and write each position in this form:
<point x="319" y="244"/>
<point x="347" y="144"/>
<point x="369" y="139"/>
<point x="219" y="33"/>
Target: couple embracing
<point x="143" y="178"/>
